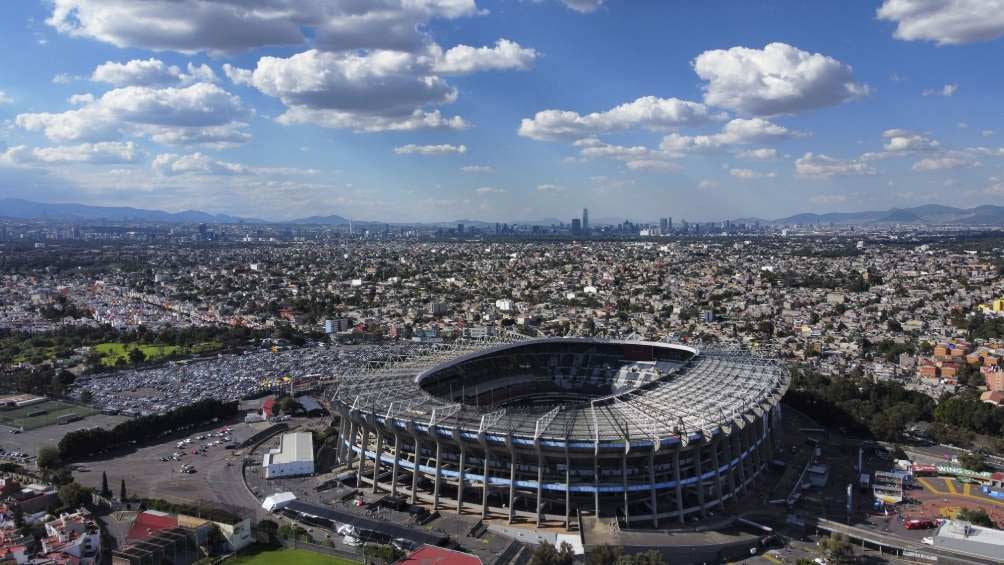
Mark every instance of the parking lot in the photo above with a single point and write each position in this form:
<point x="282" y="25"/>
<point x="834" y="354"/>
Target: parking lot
<point x="216" y="475"/>
<point x="30" y="441"/>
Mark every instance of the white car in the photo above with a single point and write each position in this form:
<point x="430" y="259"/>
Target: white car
<point x="928" y="540"/>
<point x="346" y="530"/>
<point x="352" y="541"/>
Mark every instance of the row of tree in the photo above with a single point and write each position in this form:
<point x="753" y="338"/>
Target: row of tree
<point x="88" y="442"/>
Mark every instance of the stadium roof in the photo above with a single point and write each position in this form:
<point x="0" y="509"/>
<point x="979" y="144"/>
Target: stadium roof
<point x="715" y="390"/>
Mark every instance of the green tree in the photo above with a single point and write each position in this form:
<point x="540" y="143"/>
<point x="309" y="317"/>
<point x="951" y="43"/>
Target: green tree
<point x="73" y="495"/>
<point x="48" y="457"/>
<point x="836" y="549"/>
<point x="975" y="516"/>
<point x="288" y="405"/>
<point x="386" y="554"/>
<point x="86" y="396"/>
<point x="603" y="554"/>
<point x="973" y="461"/>
<point x="650" y="557"/>
<point x="105" y="491"/>
<point x="547" y="554"/>
<point x="122" y="492"/>
<point x="136" y="356"/>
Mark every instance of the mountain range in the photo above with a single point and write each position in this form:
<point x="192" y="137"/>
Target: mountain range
<point x="929" y="214"/>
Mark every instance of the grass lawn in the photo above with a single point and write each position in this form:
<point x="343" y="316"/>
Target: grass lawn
<point x="111" y="352"/>
<point x="53" y="410"/>
<point x="288" y="556"/>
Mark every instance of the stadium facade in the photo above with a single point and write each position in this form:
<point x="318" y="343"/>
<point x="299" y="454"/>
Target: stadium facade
<point x="649" y="432"/>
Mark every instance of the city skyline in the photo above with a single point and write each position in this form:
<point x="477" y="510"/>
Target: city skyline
<point x="506" y="111"/>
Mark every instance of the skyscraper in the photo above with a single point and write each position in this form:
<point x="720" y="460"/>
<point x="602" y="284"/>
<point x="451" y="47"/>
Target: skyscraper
<point x="663" y="226"/>
<point x="585" y="219"/>
<point x="576" y="226"/>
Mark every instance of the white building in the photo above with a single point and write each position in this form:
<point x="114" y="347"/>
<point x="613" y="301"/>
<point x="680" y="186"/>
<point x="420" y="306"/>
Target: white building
<point x="277" y="501"/>
<point x="295" y="456"/>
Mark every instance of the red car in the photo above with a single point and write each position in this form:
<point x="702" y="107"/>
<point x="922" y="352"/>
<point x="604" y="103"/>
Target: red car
<point x="919" y="524"/>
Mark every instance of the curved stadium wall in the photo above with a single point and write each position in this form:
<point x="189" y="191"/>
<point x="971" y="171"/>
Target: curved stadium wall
<point x="649" y="432"/>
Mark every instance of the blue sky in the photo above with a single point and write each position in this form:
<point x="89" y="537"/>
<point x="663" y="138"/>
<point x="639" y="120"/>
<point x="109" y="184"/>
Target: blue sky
<point x="427" y="110"/>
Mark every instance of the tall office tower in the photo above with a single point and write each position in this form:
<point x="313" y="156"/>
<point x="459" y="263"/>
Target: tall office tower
<point x="576" y="226"/>
<point x="585" y="219"/>
<point x="669" y="223"/>
<point x="663" y="226"/>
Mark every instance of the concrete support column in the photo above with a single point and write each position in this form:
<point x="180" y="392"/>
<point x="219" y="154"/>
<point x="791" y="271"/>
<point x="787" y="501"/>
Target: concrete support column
<point x="435" y="486"/>
<point x="484" y="489"/>
<point x="679" y="487"/>
<point x="568" y="492"/>
<point x="376" y="460"/>
<point x="342" y="432"/>
<point x="755" y="453"/>
<point x="350" y="453"/>
<point x="540" y="488"/>
<point x="718" y="475"/>
<point x="362" y="457"/>
<point x="512" y="487"/>
<point x="397" y="464"/>
<point x="596" y="483"/>
<point x="624" y="481"/>
<point x="741" y="439"/>
<point x="729" y="455"/>
<point x="414" y="470"/>
<point x="460" y="483"/>
<point x="651" y="487"/>
<point x="700" y="481"/>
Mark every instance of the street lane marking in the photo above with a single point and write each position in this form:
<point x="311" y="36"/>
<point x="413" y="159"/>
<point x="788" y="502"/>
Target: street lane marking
<point x="951" y="486"/>
<point x="928" y="485"/>
<point x="966" y="489"/>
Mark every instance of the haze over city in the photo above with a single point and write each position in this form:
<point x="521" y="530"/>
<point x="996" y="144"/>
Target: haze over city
<point x="502" y="110"/>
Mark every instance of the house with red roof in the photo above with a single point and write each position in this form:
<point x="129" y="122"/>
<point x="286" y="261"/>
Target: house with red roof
<point x="268" y="408"/>
<point x="432" y="555"/>
<point x="148" y="523"/>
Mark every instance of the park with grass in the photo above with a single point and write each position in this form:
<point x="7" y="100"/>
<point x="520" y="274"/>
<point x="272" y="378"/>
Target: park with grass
<point x="117" y="353"/>
<point x="288" y="556"/>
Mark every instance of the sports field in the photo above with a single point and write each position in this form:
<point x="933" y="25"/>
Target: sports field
<point x="289" y="557"/>
<point x="112" y="352"/>
<point x="46" y="413"/>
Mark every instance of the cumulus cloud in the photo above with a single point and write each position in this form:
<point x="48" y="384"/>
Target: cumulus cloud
<point x="583" y="6"/>
<point x="824" y="167"/>
<point x="761" y="154"/>
<point x="548" y="187"/>
<point x="225" y="26"/>
<point x="169" y="164"/>
<point x="5" y="98"/>
<point x="505" y="55"/>
<point x="750" y="174"/>
<point x="150" y="72"/>
<point x="654" y="165"/>
<point x="900" y="141"/>
<point x="109" y="152"/>
<point x="707" y="184"/>
<point x="489" y="190"/>
<point x="945" y="22"/>
<point x="943" y="163"/>
<point x="947" y="90"/>
<point x="647" y="112"/>
<point x="477" y="169"/>
<point x="778" y="79"/>
<point x="445" y="149"/>
<point x="739" y="131"/>
<point x="193" y="112"/>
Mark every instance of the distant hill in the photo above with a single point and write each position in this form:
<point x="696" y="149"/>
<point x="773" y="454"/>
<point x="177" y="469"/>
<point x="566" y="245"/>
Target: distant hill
<point x="930" y="214"/>
<point x="331" y="220"/>
<point x="27" y="210"/>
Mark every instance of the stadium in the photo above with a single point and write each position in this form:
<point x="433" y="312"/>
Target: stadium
<point x="539" y="429"/>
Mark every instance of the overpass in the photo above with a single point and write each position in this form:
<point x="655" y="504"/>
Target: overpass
<point x="904" y="548"/>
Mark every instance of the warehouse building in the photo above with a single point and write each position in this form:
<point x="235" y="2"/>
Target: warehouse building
<point x="293" y="457"/>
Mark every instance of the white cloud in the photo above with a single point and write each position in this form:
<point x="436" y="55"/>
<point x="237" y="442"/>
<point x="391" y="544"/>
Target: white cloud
<point x="943" y="163"/>
<point x="553" y="188"/>
<point x="109" y="152"/>
<point x="64" y="78"/>
<point x="138" y="111"/>
<point x="750" y="174"/>
<point x="647" y="112"/>
<point x="778" y="79"/>
<point x="947" y="90"/>
<point x="987" y="132"/>
<point x="946" y="22"/>
<point x="5" y="98"/>
<point x="374" y="91"/>
<point x="653" y="164"/>
<point x="824" y="167"/>
<point x="477" y="169"/>
<point x="901" y="141"/>
<point x="737" y="132"/>
<point x="489" y="190"/>
<point x="80" y="99"/>
<point x="445" y="149"/>
<point x="583" y="6"/>
<point x="707" y="184"/>
<point x="505" y="55"/>
<point x="226" y="26"/>
<point x="150" y="72"/>
<point x="761" y="154"/>
<point x="169" y="164"/>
